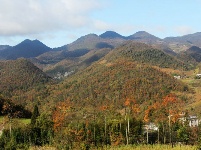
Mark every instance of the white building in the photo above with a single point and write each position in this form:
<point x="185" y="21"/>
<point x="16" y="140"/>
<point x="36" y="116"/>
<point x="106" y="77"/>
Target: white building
<point x="193" y="121"/>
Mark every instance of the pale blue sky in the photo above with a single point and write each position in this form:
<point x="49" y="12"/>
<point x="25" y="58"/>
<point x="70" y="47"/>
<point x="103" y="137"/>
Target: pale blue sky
<point x="59" y="22"/>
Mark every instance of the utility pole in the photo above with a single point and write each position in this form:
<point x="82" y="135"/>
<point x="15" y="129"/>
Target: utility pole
<point x="147" y="134"/>
<point x="170" y="134"/>
<point x="9" y="117"/>
<point x="158" y="136"/>
<point x="126" y="127"/>
<point x="105" y="130"/>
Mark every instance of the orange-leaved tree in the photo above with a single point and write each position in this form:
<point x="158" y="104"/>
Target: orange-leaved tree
<point x="61" y="113"/>
<point x="131" y="109"/>
<point x="166" y="113"/>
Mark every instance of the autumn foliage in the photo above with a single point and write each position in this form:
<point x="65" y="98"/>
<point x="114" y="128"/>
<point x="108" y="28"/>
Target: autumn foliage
<point x="159" y="111"/>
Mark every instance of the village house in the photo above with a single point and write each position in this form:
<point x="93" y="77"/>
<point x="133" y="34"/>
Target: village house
<point x="198" y="75"/>
<point x="177" y="77"/>
<point x="151" y="126"/>
<point x="192" y="120"/>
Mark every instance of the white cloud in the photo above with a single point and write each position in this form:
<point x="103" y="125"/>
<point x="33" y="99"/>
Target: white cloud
<point x="101" y="25"/>
<point x="127" y="29"/>
<point x="18" y="17"/>
<point x="183" y="30"/>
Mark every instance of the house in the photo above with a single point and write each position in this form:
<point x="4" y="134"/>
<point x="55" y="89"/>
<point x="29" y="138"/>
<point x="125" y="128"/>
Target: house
<point x="193" y="121"/>
<point x="177" y="77"/>
<point x="151" y="126"/>
<point x="198" y="75"/>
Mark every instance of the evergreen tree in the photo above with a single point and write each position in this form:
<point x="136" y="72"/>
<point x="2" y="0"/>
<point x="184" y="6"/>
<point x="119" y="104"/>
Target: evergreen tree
<point x="34" y="115"/>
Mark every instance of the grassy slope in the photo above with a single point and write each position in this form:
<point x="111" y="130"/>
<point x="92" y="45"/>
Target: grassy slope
<point x="194" y="104"/>
<point x="16" y="122"/>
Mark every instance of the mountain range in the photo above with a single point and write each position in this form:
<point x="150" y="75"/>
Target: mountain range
<point x="109" y="39"/>
<point x="97" y="84"/>
<point x="130" y="71"/>
<point x="89" y="48"/>
<point x="121" y="68"/>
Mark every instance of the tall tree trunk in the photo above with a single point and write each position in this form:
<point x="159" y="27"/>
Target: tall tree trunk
<point x="158" y="136"/>
<point x="127" y="126"/>
<point x="10" y="126"/>
<point x="94" y="129"/>
<point x="170" y="134"/>
<point x="164" y="135"/>
<point x="147" y="135"/>
<point x="128" y="129"/>
<point x="105" y="130"/>
<point x="126" y="136"/>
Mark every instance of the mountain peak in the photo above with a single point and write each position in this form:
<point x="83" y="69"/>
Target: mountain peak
<point x="20" y="73"/>
<point x="111" y="35"/>
<point x="86" y="38"/>
<point x="28" y="42"/>
<point x="89" y="35"/>
<point x="36" y="40"/>
<point x="26" y="49"/>
<point x="141" y="32"/>
<point x="144" y="36"/>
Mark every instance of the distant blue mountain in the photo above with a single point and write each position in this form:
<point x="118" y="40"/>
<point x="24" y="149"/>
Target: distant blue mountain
<point x="26" y="49"/>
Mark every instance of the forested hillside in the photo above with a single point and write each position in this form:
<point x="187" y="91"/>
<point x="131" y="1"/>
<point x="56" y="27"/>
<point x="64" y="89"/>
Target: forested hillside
<point x="119" y="75"/>
<point x="8" y="108"/>
<point x="20" y="75"/>
<point x="146" y="54"/>
<point x="118" y="80"/>
<point x="100" y="103"/>
<point x="100" y="75"/>
<point x="74" y="64"/>
<point x="106" y="103"/>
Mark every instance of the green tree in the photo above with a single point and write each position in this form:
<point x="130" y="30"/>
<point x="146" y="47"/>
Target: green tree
<point x="182" y="134"/>
<point x="34" y="115"/>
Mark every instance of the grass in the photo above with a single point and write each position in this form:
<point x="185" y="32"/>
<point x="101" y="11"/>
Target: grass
<point x="25" y="121"/>
<point x="42" y="148"/>
<point x="131" y="147"/>
<point x="152" y="147"/>
<point x="1" y="119"/>
<point x="15" y="122"/>
<point x="194" y="103"/>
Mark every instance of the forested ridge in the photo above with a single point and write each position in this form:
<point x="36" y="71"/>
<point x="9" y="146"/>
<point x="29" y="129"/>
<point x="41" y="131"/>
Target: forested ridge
<point x="7" y="107"/>
<point x="22" y="82"/>
<point x="96" y="104"/>
<point x="108" y="103"/>
<point x="144" y="53"/>
<point x="118" y="80"/>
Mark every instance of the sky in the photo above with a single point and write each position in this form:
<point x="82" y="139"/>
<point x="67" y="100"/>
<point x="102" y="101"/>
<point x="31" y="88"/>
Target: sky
<point x="60" y="22"/>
